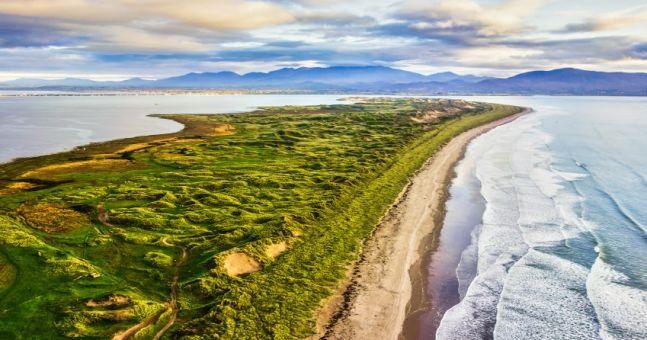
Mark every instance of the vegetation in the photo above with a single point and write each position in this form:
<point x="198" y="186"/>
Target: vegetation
<point x="239" y="226"/>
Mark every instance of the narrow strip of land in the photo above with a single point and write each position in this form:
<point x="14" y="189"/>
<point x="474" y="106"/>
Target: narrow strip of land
<point x="376" y="300"/>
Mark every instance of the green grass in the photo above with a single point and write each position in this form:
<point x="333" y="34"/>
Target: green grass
<point x="319" y="177"/>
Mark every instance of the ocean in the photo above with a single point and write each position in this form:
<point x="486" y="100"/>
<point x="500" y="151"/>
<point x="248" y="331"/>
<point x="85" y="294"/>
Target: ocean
<point x="559" y="247"/>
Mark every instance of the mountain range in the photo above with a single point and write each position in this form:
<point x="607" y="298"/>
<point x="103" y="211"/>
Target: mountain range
<point x="372" y="79"/>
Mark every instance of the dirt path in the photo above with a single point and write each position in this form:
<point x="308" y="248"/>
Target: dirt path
<point x="172" y="303"/>
<point x="174" y="288"/>
<point x="375" y="302"/>
<point x="102" y="216"/>
<point x="130" y="332"/>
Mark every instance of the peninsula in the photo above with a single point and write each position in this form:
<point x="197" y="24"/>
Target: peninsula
<point x="240" y="225"/>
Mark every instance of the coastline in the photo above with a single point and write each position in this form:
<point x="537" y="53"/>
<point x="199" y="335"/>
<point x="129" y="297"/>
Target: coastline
<point x="126" y="154"/>
<point x="387" y="282"/>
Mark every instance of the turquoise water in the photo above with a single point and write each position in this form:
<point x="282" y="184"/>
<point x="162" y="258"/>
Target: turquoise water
<point x="561" y="249"/>
<point x="32" y="126"/>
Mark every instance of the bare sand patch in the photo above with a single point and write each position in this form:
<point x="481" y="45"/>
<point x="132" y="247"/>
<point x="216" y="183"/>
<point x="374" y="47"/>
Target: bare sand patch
<point x="240" y="263"/>
<point x="427" y="116"/>
<point x="21" y="185"/>
<point x="112" y="301"/>
<point x="133" y="147"/>
<point x="188" y="140"/>
<point x="223" y="129"/>
<point x="144" y="145"/>
<point x="276" y="249"/>
<point x="78" y="166"/>
<point x="117" y="315"/>
<point x="15" y="187"/>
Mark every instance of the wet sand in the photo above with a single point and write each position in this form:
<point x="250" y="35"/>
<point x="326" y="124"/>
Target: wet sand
<point x="387" y="283"/>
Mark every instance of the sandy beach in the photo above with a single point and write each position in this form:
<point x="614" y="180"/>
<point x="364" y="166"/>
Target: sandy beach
<point x="388" y="275"/>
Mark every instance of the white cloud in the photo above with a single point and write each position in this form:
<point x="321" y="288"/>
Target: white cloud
<point x="166" y="37"/>
<point x="611" y="21"/>
<point x="217" y="15"/>
<point x="496" y="55"/>
<point x="127" y="39"/>
<point x="504" y="18"/>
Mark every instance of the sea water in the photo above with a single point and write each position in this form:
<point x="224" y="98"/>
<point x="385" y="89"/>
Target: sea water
<point x="561" y="249"/>
<point x="38" y="125"/>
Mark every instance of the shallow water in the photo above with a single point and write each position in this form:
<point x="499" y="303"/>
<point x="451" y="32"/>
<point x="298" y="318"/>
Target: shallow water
<point x="562" y="246"/>
<point x="32" y="126"/>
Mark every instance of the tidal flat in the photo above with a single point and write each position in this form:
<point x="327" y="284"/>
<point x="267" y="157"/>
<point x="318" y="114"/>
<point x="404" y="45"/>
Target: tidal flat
<point x="238" y="226"/>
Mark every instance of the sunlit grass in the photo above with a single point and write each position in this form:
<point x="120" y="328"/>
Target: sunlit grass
<point x="290" y="192"/>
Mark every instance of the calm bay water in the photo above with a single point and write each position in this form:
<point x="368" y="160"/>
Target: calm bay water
<point x="560" y="251"/>
<point x="32" y="126"/>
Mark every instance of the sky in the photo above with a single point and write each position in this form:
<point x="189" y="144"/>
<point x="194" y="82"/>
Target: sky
<point x="119" y="39"/>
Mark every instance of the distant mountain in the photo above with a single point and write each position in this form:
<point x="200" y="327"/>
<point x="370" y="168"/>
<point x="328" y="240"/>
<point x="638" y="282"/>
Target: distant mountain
<point x="565" y="81"/>
<point x="375" y="79"/>
<point x="199" y="80"/>
<point x="134" y="82"/>
<point x="291" y="77"/>
<point x="444" y="77"/>
<point x="569" y="81"/>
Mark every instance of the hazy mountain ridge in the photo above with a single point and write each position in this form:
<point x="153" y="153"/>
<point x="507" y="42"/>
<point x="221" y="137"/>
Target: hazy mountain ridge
<point x="377" y="79"/>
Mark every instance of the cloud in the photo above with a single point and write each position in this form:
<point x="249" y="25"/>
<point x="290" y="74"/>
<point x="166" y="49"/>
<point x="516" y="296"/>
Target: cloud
<point x="609" y="21"/>
<point x="286" y="44"/>
<point x="496" y="55"/>
<point x="135" y="25"/>
<point x="28" y="59"/>
<point x="131" y="39"/>
<point x="425" y="31"/>
<point x="219" y="15"/>
<point x="333" y="18"/>
<point x="591" y="50"/>
<point x="69" y="10"/>
<point x="166" y="37"/>
<point x="469" y="15"/>
<point x="16" y="31"/>
<point x="638" y="51"/>
<point x="216" y="15"/>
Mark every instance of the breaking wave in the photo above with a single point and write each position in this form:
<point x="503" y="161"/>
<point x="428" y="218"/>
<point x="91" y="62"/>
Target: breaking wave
<point x="558" y="254"/>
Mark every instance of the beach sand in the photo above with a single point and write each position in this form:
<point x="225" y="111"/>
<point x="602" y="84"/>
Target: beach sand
<point x="387" y="282"/>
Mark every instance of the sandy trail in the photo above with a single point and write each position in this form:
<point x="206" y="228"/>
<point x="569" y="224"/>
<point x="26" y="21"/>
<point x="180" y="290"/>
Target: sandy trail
<point x="102" y="215"/>
<point x="174" y="289"/>
<point x="381" y="286"/>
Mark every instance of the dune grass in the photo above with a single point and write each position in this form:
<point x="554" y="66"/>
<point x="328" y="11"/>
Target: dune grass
<point x="292" y="191"/>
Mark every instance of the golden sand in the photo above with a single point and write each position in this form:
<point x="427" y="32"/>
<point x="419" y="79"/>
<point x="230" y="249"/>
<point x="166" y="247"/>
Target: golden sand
<point x="276" y="249"/>
<point x="79" y="166"/>
<point x="240" y="263"/>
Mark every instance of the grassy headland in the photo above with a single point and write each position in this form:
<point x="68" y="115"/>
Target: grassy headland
<point x="236" y="227"/>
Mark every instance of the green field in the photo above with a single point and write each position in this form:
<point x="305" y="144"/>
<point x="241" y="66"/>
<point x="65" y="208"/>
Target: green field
<point x="269" y="208"/>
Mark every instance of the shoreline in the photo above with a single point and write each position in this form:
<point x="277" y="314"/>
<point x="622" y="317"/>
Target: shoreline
<point x="122" y="152"/>
<point x="387" y="282"/>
